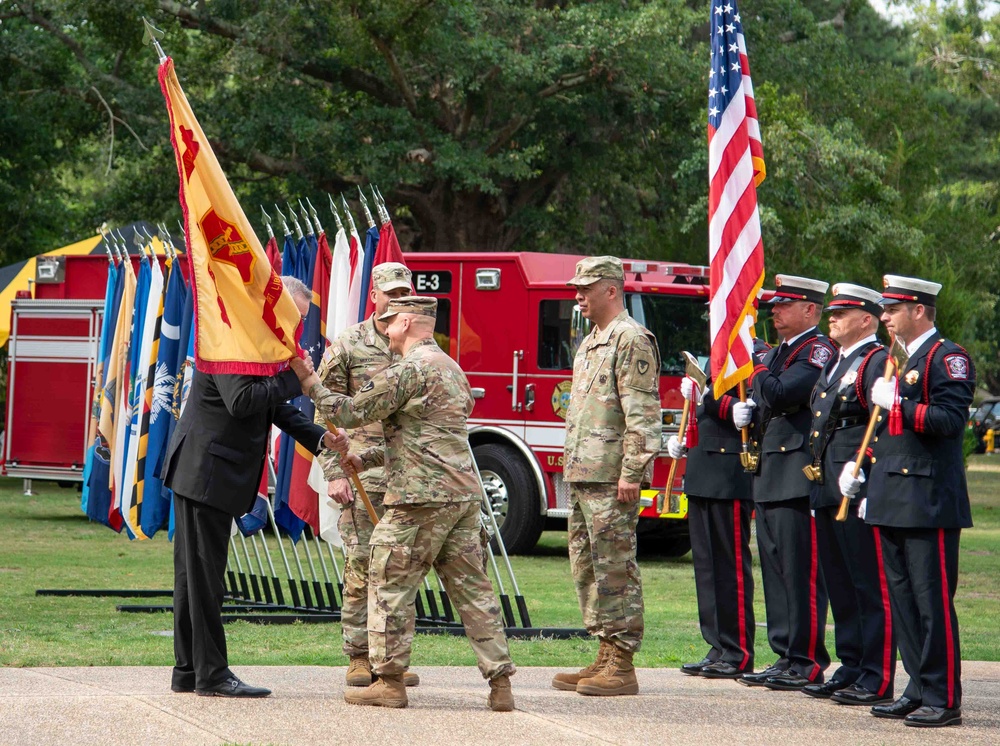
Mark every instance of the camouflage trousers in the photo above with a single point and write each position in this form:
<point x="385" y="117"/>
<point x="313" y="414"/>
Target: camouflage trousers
<point x="407" y="542"/>
<point x="356" y="532"/>
<point x="602" y="557"/>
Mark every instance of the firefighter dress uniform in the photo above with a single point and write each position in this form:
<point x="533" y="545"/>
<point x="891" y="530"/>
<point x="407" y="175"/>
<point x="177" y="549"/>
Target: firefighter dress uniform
<point x="919" y="500"/>
<point x="849" y="551"/>
<point x="794" y="596"/>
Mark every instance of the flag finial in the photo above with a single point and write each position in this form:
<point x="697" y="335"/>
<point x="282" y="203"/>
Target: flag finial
<point x="305" y="219"/>
<point x="151" y="36"/>
<point x="315" y="216"/>
<point x="364" y="206"/>
<point x="347" y="212"/>
<point x="284" y="222"/>
<point x="267" y="222"/>
<point x="295" y="221"/>
<point x="336" y="215"/>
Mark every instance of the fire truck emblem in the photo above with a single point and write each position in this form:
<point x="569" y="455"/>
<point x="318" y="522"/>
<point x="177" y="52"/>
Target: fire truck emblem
<point x="911" y="377"/>
<point x="560" y="398"/>
<point x="226" y="244"/>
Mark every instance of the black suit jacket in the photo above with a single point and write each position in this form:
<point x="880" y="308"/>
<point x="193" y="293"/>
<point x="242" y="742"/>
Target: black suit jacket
<point x="781" y="386"/>
<point x="918" y="478"/>
<point x="216" y="455"/>
<point x="713" y="466"/>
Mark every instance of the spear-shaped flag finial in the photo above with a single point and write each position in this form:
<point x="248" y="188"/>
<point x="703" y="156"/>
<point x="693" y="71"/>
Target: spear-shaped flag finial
<point x="347" y="212"/>
<point x="284" y="221"/>
<point x="151" y="36"/>
<point x="267" y="222"/>
<point x="295" y="221"/>
<point x="336" y="215"/>
<point x="364" y="206"/>
<point x="305" y="219"/>
<point x="381" y="202"/>
<point x="315" y="215"/>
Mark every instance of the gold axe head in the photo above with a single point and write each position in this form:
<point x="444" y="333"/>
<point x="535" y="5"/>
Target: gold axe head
<point x="693" y="370"/>
<point x="899" y="354"/>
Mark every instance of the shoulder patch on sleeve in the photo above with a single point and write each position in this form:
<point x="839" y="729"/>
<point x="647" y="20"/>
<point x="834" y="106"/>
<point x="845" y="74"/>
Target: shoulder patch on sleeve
<point x="819" y="354"/>
<point x="642" y="366"/>
<point x="957" y="365"/>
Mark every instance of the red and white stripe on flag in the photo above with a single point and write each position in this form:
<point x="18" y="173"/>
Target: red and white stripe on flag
<point x="735" y="168"/>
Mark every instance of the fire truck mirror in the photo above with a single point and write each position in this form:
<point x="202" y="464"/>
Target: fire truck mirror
<point x="50" y="269"/>
<point x="579" y="329"/>
<point x="487" y="279"/>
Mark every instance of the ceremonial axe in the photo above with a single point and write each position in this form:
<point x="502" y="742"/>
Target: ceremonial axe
<point x="693" y="371"/>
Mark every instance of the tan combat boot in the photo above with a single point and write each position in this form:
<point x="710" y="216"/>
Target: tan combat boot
<point x="387" y="691"/>
<point x="617" y="677"/>
<point x="501" y="698"/>
<point x="568" y="681"/>
<point x="359" y="671"/>
<point x="411" y="679"/>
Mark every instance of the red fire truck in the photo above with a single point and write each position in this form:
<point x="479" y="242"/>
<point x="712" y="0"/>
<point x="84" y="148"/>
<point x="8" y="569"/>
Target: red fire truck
<point x="510" y="321"/>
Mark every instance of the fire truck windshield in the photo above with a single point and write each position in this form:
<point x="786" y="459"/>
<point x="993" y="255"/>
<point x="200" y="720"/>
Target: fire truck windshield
<point x="679" y="323"/>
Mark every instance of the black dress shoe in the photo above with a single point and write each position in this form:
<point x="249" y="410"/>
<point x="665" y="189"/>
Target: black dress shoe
<point x="789" y="681"/>
<point x="181" y="688"/>
<point x="233" y="688"/>
<point x="856" y="694"/>
<point x="758" y="679"/>
<point x="723" y="670"/>
<point x="896" y="710"/>
<point x="824" y="691"/>
<point x="934" y="717"/>
<point x="694" y="669"/>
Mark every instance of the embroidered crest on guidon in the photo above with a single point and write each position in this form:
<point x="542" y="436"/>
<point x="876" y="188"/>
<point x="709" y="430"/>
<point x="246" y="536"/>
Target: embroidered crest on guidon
<point x="819" y="355"/>
<point x="958" y="366"/>
<point x="912" y="377"/>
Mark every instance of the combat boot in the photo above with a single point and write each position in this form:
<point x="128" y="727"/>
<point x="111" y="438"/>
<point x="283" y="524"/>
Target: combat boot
<point x="501" y="698"/>
<point x="359" y="671"/>
<point x="617" y="677"/>
<point x="387" y="691"/>
<point x="568" y="681"/>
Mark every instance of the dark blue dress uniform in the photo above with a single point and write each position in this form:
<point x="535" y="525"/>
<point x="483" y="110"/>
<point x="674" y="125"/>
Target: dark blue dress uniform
<point x="849" y="551"/>
<point x="794" y="597"/>
<point x="919" y="500"/>
<point x="720" y="504"/>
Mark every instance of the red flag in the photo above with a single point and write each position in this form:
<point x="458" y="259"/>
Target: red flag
<point x="387" y="251"/>
<point x="273" y="254"/>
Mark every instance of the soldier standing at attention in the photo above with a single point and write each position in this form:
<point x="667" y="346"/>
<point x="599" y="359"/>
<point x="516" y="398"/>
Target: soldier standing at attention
<point x="432" y="503"/>
<point x="358" y="353"/>
<point x="848" y="550"/>
<point x="794" y="597"/>
<point x="613" y="432"/>
<point x="919" y="501"/>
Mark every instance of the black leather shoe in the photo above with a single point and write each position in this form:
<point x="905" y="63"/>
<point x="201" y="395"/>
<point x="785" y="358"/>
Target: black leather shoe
<point x="233" y="688"/>
<point x="858" y="695"/>
<point x="181" y="689"/>
<point x="824" y="691"/>
<point x="694" y="669"/>
<point x="896" y="710"/>
<point x="723" y="670"/>
<point x="789" y="681"/>
<point x="934" y="717"/>
<point x="758" y="679"/>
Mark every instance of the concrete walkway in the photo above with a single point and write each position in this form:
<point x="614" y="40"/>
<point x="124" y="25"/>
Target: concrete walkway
<point x="111" y="706"/>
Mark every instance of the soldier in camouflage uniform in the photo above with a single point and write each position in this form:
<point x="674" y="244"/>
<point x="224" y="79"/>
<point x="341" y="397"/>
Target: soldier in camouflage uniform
<point x="432" y="503"/>
<point x="358" y="353"/>
<point x="613" y="432"/>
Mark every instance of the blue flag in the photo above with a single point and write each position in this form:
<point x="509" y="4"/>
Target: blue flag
<point x="289" y="256"/>
<point x="371" y="243"/>
<point x="182" y="385"/>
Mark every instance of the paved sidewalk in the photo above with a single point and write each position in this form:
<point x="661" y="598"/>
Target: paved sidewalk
<point x="111" y="706"/>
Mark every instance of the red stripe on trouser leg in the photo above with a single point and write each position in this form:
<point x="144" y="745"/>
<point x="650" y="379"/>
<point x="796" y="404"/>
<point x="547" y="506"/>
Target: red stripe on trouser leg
<point x="813" y="611"/>
<point x="740" y="590"/>
<point x="887" y="658"/>
<point x="948" y="631"/>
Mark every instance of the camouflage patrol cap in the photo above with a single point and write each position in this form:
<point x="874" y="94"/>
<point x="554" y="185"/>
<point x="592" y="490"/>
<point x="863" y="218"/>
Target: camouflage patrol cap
<point x="420" y="305"/>
<point x="391" y="275"/>
<point x="595" y="268"/>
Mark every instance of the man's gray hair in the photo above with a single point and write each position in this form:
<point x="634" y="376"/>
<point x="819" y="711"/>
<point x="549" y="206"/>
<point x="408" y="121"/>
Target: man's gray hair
<point x="297" y="288"/>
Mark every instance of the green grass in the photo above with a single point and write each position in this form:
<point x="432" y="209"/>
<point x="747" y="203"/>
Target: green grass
<point x="46" y="542"/>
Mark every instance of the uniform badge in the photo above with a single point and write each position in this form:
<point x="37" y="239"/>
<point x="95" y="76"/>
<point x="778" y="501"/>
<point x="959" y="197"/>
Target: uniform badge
<point x="819" y="355"/>
<point x="560" y="398"/>
<point x="367" y="387"/>
<point x="850" y="377"/>
<point x="912" y="377"/>
<point x="957" y="366"/>
<point x="643" y="366"/>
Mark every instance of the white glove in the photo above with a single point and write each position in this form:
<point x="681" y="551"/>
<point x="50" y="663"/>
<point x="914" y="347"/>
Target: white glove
<point x="675" y="449"/>
<point x="691" y="391"/>
<point x="863" y="508"/>
<point x="849" y="485"/>
<point x="743" y="413"/>
<point x="884" y="392"/>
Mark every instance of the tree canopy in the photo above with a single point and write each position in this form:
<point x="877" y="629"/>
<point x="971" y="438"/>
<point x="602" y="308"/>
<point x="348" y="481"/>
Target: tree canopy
<point x="556" y="125"/>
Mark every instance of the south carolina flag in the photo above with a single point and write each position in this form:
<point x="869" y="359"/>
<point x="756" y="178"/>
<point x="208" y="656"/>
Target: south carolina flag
<point x="244" y="320"/>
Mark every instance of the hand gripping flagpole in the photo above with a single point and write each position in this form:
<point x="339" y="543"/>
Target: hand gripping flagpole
<point x="358" y="487"/>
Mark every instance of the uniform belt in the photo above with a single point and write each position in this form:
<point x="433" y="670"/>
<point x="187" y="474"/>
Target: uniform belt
<point x="851" y="422"/>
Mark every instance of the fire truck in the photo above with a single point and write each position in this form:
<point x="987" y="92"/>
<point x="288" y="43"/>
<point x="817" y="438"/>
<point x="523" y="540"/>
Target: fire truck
<point x="508" y="319"/>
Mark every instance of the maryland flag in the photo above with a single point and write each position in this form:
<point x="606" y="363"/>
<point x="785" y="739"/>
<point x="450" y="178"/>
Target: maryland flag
<point x="244" y="321"/>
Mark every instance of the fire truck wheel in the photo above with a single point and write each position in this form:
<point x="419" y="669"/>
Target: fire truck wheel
<point x="513" y="493"/>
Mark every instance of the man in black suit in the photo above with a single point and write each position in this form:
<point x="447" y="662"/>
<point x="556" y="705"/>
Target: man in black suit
<point x="919" y="500"/>
<point x="794" y="596"/>
<point x="214" y="465"/>
<point x="849" y="551"/>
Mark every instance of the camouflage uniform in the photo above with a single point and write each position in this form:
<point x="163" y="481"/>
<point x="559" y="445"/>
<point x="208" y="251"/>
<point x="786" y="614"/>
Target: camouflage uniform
<point x="432" y="500"/>
<point x="613" y="432"/>
<point x="358" y="353"/>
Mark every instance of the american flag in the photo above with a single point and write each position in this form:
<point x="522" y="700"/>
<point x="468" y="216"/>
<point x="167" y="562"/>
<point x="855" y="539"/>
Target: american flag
<point x="735" y="168"/>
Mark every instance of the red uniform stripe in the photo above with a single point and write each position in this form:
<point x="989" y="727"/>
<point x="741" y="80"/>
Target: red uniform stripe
<point x="813" y="611"/>
<point x="741" y="599"/>
<point x="887" y="658"/>
<point x="946" y="608"/>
